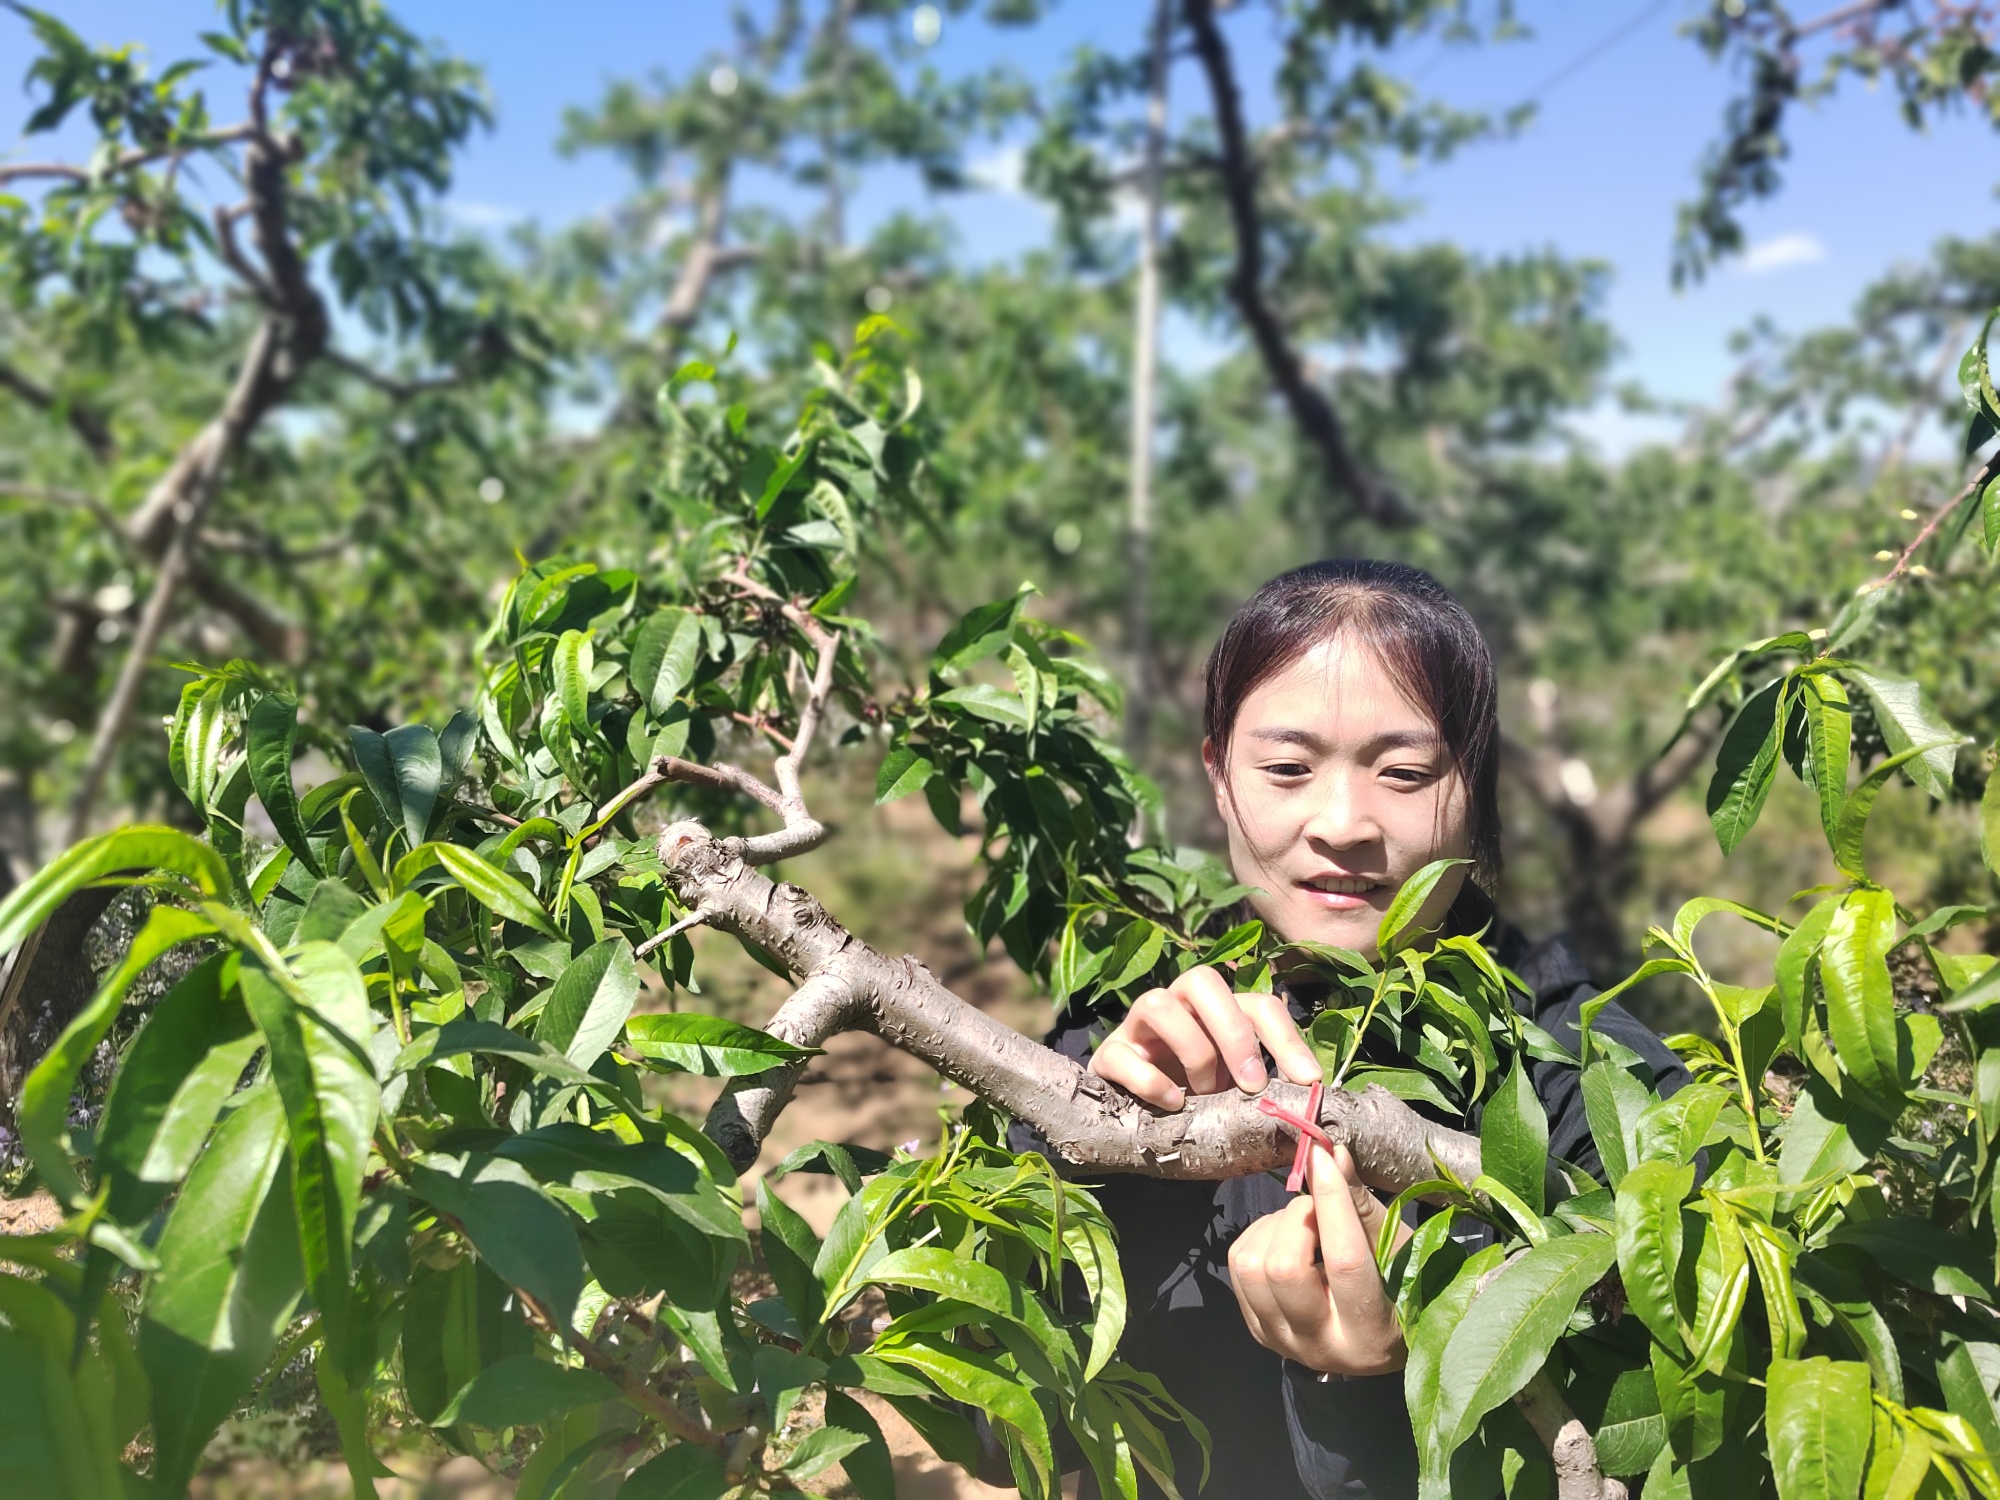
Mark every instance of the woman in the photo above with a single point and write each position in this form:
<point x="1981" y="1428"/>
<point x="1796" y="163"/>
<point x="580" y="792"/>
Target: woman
<point x="1351" y="739"/>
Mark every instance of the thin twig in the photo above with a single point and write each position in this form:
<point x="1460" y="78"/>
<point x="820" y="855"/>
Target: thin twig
<point x="390" y="385"/>
<point x="1987" y="471"/>
<point x="21" y="171"/>
<point x="666" y="935"/>
<point x="641" y="1395"/>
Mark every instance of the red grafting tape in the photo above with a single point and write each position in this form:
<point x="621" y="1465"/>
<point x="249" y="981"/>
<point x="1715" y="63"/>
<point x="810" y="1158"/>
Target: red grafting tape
<point x="1306" y="1125"/>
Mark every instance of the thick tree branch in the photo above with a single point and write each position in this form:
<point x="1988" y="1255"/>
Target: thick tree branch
<point x="1310" y="408"/>
<point x="707" y="257"/>
<point x="1090" y="1125"/>
<point x="85" y="423"/>
<point x="1568" y="1441"/>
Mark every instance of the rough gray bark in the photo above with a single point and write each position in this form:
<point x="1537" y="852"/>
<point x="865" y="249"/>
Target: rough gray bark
<point x="1090" y="1125"/>
<point x="1568" y="1441"/>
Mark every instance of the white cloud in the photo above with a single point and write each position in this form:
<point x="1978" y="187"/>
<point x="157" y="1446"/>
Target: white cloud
<point x="476" y="215"/>
<point x="1778" y="254"/>
<point x="999" y="171"/>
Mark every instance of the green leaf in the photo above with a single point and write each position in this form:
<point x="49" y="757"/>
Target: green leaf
<point x="1921" y="1254"/>
<point x="43" y="1115"/>
<point x="1649" y="1245"/>
<point x="1851" y="831"/>
<point x="582" y="1161"/>
<point x="1393" y="932"/>
<point x="820" y="1449"/>
<point x="964" y="1375"/>
<point x="1613" y="1100"/>
<point x="1514" y="1137"/>
<point x="928" y="1269"/>
<point x="980" y="633"/>
<point x="1424" y="1371"/>
<point x="1907" y="722"/>
<point x="496" y="890"/>
<point x="683" y="1472"/>
<point x="782" y="1377"/>
<point x="691" y="1042"/>
<point x="229" y="1277"/>
<point x="1722" y="1280"/>
<point x="1404" y="1083"/>
<point x="523" y="1391"/>
<point x="169" y="1087"/>
<point x="1818" y="1416"/>
<point x="587" y="1008"/>
<point x="404" y="770"/>
<point x="1966" y="1392"/>
<point x="270" y="734"/>
<point x="1133" y="953"/>
<point x="316" y="1021"/>
<point x="1675" y="1129"/>
<point x="1506" y="1335"/>
<point x="867" y="1463"/>
<point x="790" y="1251"/>
<point x="1860" y="996"/>
<point x="524" y="1237"/>
<point x="985" y="701"/>
<point x="130" y="849"/>
<point x="1829" y="731"/>
<point x="1798" y="950"/>
<point x="572" y="661"/>
<point x="1745" y="767"/>
<point x="903" y="771"/>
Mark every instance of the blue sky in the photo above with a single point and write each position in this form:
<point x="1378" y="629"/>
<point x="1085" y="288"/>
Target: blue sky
<point x="1598" y="173"/>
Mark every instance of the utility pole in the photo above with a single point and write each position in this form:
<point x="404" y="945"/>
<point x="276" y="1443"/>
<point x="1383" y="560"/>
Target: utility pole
<point x="1145" y="383"/>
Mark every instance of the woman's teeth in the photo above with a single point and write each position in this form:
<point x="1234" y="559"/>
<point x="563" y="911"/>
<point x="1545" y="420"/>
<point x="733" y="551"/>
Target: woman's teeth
<point x="1347" y="885"/>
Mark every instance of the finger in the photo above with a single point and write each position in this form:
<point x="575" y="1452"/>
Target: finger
<point x="1297" y="1283"/>
<point x="1118" y="1061"/>
<point x="1216" y="1004"/>
<point x="1249" y="1279"/>
<point x="1346" y="1250"/>
<point x="1168" y="1035"/>
<point x="1280" y="1035"/>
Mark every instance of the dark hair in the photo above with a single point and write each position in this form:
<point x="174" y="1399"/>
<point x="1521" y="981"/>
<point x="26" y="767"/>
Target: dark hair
<point x="1423" y="637"/>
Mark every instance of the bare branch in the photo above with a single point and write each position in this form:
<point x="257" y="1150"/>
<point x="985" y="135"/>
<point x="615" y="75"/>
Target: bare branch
<point x="707" y="258"/>
<point x="1575" y="1456"/>
<point x="1090" y="1125"/>
<point x="84" y="422"/>
<point x="77" y="499"/>
<point x="1987" y="472"/>
<point x="128" y="161"/>
<point x="233" y="256"/>
<point x="390" y="385"/>
<point x="1310" y="408"/>
<point x="655" y="1404"/>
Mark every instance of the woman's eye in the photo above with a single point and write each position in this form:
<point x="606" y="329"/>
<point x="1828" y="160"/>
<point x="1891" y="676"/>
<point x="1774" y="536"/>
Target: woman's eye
<point x="1409" y="775"/>
<point x="1288" y="770"/>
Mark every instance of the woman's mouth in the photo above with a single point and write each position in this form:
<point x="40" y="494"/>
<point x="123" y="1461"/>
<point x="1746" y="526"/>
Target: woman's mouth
<point x="1340" y="892"/>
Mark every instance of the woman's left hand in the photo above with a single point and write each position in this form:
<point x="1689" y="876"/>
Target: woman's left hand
<point x="1305" y="1276"/>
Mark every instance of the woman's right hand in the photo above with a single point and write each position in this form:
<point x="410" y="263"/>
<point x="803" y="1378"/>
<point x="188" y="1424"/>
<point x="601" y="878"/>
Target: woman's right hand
<point x="1199" y="1036"/>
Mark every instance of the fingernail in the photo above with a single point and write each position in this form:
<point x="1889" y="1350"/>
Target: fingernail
<point x="1251" y="1076"/>
<point x="1176" y="1097"/>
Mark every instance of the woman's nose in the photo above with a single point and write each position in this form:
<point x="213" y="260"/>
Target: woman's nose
<point x="1343" y="819"/>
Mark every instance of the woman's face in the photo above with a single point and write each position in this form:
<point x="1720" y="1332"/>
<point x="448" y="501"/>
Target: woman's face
<point x="1338" y="790"/>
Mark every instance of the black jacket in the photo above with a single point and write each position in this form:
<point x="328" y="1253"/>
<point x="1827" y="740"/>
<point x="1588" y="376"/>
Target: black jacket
<point x="1275" y="1430"/>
